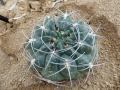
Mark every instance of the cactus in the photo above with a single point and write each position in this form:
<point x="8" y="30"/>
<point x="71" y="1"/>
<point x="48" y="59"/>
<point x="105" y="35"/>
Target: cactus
<point x="62" y="49"/>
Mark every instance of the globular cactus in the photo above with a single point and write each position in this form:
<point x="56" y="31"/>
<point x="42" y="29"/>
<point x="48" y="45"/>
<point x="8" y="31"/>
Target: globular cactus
<point x="62" y="49"/>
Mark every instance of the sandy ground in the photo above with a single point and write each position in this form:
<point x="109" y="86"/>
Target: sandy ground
<point x="13" y="66"/>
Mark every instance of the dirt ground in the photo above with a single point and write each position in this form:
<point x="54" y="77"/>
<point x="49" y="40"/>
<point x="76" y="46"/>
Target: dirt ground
<point x="13" y="66"/>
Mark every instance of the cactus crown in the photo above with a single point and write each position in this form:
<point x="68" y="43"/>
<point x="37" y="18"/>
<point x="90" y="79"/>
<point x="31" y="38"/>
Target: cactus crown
<point x="62" y="49"/>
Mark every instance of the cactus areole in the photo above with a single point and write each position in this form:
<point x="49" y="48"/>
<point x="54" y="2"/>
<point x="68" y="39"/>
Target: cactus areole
<point x="62" y="49"/>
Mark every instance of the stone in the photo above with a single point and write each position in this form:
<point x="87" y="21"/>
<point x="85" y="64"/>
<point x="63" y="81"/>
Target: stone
<point x="89" y="83"/>
<point x="36" y="5"/>
<point x="24" y="5"/>
<point x="42" y="1"/>
<point x="102" y="85"/>
<point x="53" y="0"/>
<point x="118" y="56"/>
<point x="85" y="87"/>
<point x="65" y="0"/>
<point x="0" y="42"/>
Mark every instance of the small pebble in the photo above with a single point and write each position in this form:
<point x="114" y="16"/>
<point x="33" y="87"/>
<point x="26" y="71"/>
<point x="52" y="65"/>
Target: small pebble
<point x="11" y="58"/>
<point x="85" y="87"/>
<point x="102" y="85"/>
<point x="65" y="0"/>
<point x="115" y="77"/>
<point x="0" y="42"/>
<point x="97" y="83"/>
<point x="118" y="56"/>
<point x="53" y="0"/>
<point x="107" y="83"/>
<point x="89" y="83"/>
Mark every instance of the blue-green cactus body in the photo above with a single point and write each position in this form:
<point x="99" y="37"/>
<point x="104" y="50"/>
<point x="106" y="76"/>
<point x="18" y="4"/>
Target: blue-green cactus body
<point x="61" y="48"/>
